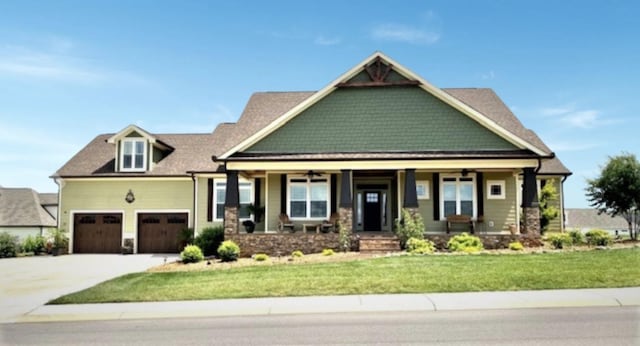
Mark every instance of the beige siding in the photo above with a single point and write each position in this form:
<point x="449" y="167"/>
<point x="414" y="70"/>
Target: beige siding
<point x="273" y="201"/>
<point x="108" y="196"/>
<point x="203" y="205"/>
<point x="24" y="232"/>
<point x="499" y="214"/>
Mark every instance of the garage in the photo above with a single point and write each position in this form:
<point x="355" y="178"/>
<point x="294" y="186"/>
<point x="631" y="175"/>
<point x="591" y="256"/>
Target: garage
<point x="158" y="232"/>
<point x="97" y="233"/>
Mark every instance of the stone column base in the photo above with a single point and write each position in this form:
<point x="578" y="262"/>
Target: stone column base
<point x="346" y="218"/>
<point x="532" y="221"/>
<point x="231" y="220"/>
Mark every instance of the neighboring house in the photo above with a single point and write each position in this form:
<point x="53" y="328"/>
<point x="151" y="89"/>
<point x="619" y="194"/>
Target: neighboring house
<point x="377" y="139"/>
<point x="24" y="212"/>
<point x="589" y="219"/>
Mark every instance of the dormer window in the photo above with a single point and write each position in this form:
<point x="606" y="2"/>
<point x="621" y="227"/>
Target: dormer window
<point x="134" y="155"/>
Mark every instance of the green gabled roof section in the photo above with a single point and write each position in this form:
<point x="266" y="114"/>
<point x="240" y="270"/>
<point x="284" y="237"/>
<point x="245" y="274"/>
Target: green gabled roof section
<point x="380" y="119"/>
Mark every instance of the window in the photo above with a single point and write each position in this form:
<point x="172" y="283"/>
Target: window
<point x="133" y="157"/>
<point x="495" y="189"/>
<point x="308" y="198"/>
<point x="458" y="196"/>
<point x="246" y="197"/>
<point x="422" y="189"/>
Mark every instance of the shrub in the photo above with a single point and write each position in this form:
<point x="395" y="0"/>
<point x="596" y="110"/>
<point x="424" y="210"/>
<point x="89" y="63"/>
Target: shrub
<point x="9" y="245"/>
<point x="34" y="244"/>
<point x="560" y="240"/>
<point x="210" y="239"/>
<point x="417" y="246"/>
<point x="598" y="237"/>
<point x="410" y="226"/>
<point x="516" y="246"/>
<point x="261" y="257"/>
<point x="577" y="237"/>
<point x="465" y="242"/>
<point x="191" y="254"/>
<point x="297" y="254"/>
<point x="328" y="252"/>
<point x="228" y="251"/>
<point x="185" y="237"/>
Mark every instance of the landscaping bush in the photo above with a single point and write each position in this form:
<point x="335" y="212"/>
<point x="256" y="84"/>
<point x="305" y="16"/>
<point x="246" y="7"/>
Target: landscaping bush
<point x="191" y="254"/>
<point x="516" y="246"/>
<point x="228" y="251"/>
<point x="185" y="237"/>
<point x="417" y="246"/>
<point x="261" y="257"/>
<point x="209" y="239"/>
<point x="35" y="244"/>
<point x="9" y="245"/>
<point x="577" y="238"/>
<point x="465" y="242"/>
<point x="297" y="254"/>
<point x="410" y="226"/>
<point x="328" y="252"/>
<point x="598" y="237"/>
<point x="560" y="240"/>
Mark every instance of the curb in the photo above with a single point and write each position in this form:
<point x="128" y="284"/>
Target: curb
<point x="430" y="302"/>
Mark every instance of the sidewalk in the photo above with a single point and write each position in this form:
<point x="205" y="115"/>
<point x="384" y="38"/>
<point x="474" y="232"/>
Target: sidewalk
<point x="429" y="302"/>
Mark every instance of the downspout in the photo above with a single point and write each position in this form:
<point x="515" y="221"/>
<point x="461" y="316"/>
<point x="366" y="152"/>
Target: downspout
<point x="194" y="224"/>
<point x="60" y="182"/>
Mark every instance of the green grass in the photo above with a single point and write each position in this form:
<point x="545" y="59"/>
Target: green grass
<point x="403" y="274"/>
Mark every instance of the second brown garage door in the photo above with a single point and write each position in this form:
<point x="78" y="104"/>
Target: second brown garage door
<point x="97" y="233"/>
<point x="158" y="232"/>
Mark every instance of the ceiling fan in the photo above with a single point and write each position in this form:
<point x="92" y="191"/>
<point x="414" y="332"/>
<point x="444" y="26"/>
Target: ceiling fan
<point x="311" y="173"/>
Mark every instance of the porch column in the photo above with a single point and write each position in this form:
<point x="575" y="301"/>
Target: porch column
<point x="410" y="194"/>
<point x="231" y="203"/>
<point x="345" y="209"/>
<point x="530" y="203"/>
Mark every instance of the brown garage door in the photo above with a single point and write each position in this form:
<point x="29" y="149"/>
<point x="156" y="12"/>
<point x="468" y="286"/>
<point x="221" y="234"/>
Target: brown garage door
<point x="158" y="232"/>
<point x="97" y="233"/>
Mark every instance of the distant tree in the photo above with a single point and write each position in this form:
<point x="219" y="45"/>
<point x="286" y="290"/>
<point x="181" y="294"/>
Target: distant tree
<point x="617" y="190"/>
<point x="548" y="204"/>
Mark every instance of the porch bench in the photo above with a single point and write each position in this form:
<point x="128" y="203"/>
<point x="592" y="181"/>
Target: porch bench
<point x="460" y="219"/>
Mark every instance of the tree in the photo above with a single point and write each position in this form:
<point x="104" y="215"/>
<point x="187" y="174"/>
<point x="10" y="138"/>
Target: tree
<point x="548" y="204"/>
<point x="617" y="190"/>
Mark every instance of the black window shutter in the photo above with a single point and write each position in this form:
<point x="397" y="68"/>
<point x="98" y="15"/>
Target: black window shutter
<point x="256" y="193"/>
<point x="209" y="199"/>
<point x="480" y="194"/>
<point x="283" y="193"/>
<point x="435" y="184"/>
<point x="334" y="192"/>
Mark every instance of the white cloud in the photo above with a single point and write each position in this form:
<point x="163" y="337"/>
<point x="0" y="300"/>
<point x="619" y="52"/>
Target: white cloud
<point x="564" y="145"/>
<point x="55" y="62"/>
<point x="581" y="119"/>
<point x="327" y="41"/>
<point x="557" y="110"/>
<point x="403" y="33"/>
<point x="488" y="75"/>
<point x="572" y="116"/>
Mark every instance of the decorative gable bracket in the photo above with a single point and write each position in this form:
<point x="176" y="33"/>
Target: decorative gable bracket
<point x="378" y="73"/>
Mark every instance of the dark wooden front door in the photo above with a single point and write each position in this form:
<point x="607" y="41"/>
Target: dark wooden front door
<point x="372" y="211"/>
<point x="158" y="232"/>
<point x="97" y="233"/>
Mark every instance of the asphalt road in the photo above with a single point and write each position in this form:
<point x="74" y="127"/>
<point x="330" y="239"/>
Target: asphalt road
<point x="561" y="326"/>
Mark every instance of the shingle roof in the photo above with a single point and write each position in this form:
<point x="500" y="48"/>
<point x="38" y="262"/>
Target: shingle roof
<point x="21" y="207"/>
<point x="590" y="219"/>
<point x="193" y="152"/>
<point x="48" y="198"/>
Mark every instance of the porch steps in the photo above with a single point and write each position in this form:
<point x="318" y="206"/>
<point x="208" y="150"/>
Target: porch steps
<point x="379" y="244"/>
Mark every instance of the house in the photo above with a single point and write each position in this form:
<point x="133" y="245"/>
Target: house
<point x="376" y="140"/>
<point x="586" y="219"/>
<point x="25" y="212"/>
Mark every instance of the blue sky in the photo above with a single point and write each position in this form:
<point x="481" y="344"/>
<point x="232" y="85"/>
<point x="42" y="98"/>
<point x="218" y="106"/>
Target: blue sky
<point x="70" y="70"/>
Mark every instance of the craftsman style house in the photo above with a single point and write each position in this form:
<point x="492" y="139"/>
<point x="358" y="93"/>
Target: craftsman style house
<point x="376" y="140"/>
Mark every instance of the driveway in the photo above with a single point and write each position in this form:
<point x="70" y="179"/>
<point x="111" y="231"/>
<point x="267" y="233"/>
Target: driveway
<point x="29" y="282"/>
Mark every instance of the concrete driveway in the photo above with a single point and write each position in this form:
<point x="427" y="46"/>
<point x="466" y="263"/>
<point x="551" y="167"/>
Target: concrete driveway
<point x="30" y="282"/>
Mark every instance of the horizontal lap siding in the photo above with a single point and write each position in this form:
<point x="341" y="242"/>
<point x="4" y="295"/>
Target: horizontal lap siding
<point x="501" y="211"/>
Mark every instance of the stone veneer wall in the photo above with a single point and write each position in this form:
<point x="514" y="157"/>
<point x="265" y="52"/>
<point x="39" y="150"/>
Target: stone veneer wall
<point x="490" y="241"/>
<point x="282" y="244"/>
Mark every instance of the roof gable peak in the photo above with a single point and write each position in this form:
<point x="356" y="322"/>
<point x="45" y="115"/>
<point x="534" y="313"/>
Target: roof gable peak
<point x="129" y="130"/>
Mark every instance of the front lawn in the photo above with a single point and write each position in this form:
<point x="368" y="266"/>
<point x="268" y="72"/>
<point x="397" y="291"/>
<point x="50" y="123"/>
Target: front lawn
<point x="398" y="274"/>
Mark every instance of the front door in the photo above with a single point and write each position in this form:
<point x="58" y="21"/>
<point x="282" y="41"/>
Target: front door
<point x="372" y="211"/>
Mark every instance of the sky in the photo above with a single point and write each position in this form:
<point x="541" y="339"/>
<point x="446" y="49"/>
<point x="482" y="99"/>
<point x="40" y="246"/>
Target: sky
<point x="70" y="70"/>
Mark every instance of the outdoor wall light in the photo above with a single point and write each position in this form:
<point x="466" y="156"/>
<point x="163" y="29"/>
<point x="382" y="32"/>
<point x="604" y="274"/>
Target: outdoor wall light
<point x="130" y="197"/>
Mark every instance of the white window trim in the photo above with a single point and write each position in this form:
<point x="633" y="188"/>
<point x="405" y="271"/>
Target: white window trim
<point x="145" y="155"/>
<point x="500" y="183"/>
<point x="425" y="184"/>
<point x="308" y="185"/>
<point x="219" y="218"/>
<point x="474" y="193"/>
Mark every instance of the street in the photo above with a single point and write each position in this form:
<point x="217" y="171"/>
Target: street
<point x="558" y="326"/>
